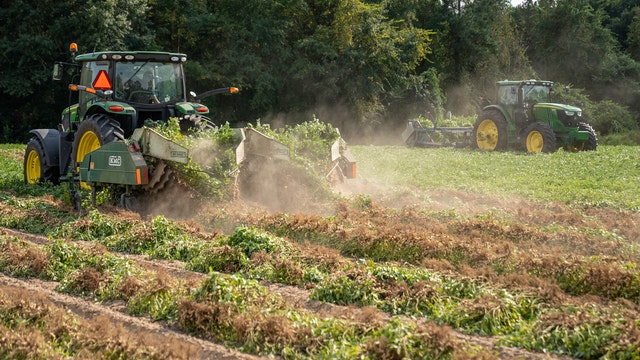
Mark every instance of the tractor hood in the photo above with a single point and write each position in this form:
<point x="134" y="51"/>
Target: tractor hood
<point x="570" y="110"/>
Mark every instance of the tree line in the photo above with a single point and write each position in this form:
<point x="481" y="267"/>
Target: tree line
<point x="364" y="66"/>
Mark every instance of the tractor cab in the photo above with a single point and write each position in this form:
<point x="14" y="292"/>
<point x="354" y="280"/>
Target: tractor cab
<point x="132" y="87"/>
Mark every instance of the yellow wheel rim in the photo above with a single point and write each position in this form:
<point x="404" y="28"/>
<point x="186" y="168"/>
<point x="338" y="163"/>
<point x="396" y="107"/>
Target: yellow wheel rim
<point x="88" y="142"/>
<point x="487" y="136"/>
<point x="33" y="167"/>
<point x="535" y="142"/>
<point x="575" y="148"/>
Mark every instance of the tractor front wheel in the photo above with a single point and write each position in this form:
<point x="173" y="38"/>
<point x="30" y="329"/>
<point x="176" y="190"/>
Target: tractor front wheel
<point x="539" y="137"/>
<point x="36" y="169"/>
<point x="94" y="132"/>
<point x="592" y="143"/>
<point x="490" y="131"/>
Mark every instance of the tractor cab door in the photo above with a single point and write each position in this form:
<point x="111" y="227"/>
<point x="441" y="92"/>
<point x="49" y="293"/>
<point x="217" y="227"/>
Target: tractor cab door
<point x="508" y="99"/>
<point x="90" y="70"/>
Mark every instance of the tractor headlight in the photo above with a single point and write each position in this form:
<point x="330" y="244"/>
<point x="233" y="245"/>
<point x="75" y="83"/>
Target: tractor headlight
<point x="569" y="113"/>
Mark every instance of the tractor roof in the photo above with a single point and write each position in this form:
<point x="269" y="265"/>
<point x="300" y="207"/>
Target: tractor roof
<point x="525" y="82"/>
<point x="132" y="56"/>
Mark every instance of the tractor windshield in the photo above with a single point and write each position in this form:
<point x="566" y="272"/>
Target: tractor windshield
<point x="536" y="93"/>
<point x="149" y="82"/>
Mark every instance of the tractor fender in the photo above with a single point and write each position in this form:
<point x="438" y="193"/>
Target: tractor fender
<point x="50" y="140"/>
<point x="499" y="108"/>
<point x="189" y="108"/>
<point x="111" y="107"/>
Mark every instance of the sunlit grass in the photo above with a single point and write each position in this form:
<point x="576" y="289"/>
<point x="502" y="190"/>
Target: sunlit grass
<point x="608" y="177"/>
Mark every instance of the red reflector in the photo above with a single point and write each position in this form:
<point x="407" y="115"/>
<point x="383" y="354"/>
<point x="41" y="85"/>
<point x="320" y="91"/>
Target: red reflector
<point x="146" y="175"/>
<point x="138" y="179"/>
<point x="353" y="170"/>
<point x="202" y="109"/>
<point x="116" y="108"/>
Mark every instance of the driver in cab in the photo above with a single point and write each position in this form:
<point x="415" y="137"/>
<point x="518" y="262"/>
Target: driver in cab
<point x="141" y="90"/>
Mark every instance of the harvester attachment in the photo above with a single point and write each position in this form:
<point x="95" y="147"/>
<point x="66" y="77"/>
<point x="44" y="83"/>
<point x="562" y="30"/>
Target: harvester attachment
<point x="255" y="144"/>
<point x="415" y="135"/>
<point x="157" y="146"/>
<point x="123" y="163"/>
<point x="344" y="163"/>
<point x="120" y="163"/>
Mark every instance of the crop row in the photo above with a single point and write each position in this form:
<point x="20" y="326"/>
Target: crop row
<point x="33" y="327"/>
<point x="297" y="250"/>
<point x="238" y="312"/>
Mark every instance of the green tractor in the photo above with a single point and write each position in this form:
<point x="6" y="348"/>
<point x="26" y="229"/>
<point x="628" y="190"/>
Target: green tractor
<point x="107" y="138"/>
<point x="523" y="116"/>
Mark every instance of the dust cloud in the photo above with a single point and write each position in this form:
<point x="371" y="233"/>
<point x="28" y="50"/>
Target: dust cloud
<point x="281" y="186"/>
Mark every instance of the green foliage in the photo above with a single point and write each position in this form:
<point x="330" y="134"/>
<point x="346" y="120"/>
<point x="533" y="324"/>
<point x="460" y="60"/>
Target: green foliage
<point x="232" y="290"/>
<point x="96" y="226"/>
<point x="406" y="340"/>
<point x="251" y="240"/>
<point x="212" y="159"/>
<point x="219" y="258"/>
<point x="343" y="290"/>
<point x="64" y="257"/>
<point x="628" y="138"/>
<point x="594" y="337"/>
<point x="159" y="304"/>
<point x="611" y="118"/>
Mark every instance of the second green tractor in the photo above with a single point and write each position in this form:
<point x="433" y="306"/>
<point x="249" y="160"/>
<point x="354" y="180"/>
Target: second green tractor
<point x="523" y="116"/>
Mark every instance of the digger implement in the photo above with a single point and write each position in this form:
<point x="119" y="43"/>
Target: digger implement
<point x="343" y="161"/>
<point x="114" y="163"/>
<point x="120" y="163"/>
<point x="158" y="146"/>
<point x="255" y="144"/>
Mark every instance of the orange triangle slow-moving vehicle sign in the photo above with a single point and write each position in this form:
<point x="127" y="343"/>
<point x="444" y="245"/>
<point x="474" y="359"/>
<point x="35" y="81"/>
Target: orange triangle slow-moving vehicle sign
<point x="102" y="81"/>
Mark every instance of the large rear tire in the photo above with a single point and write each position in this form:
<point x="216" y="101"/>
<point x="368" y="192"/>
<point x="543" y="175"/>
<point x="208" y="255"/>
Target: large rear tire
<point x="94" y="132"/>
<point x="539" y="137"/>
<point x="35" y="167"/>
<point x="490" y="131"/>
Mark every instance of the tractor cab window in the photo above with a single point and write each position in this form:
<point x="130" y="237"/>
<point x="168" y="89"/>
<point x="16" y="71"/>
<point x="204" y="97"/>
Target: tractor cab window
<point x="90" y="70"/>
<point x="536" y="94"/>
<point x="508" y="95"/>
<point x="148" y="82"/>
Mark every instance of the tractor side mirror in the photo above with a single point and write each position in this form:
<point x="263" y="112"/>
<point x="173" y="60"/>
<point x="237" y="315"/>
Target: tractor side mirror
<point x="57" y="71"/>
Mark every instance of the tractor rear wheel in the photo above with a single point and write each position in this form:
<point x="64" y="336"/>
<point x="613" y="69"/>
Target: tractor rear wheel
<point x="539" y="137"/>
<point x="490" y="131"/>
<point x="94" y="132"/>
<point x="35" y="166"/>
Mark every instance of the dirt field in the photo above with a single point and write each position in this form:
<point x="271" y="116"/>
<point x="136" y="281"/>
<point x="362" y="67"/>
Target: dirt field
<point x="485" y="228"/>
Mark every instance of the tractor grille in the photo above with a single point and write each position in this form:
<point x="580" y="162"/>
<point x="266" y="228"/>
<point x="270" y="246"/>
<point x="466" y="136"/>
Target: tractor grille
<point x="568" y="121"/>
<point x="155" y="113"/>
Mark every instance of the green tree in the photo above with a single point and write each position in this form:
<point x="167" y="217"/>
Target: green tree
<point x="483" y="45"/>
<point x="633" y="35"/>
<point x="34" y="34"/>
<point x="306" y="57"/>
<point x="567" y="40"/>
